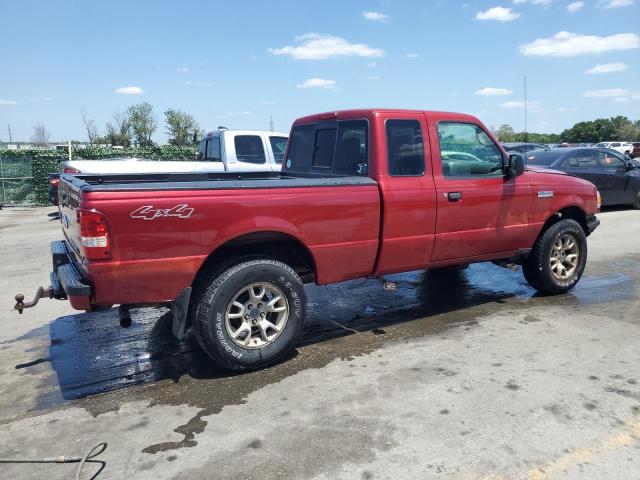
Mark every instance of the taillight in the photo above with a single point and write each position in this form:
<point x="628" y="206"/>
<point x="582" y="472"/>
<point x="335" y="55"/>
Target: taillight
<point x="54" y="181"/>
<point x="70" y="170"/>
<point x="95" y="235"/>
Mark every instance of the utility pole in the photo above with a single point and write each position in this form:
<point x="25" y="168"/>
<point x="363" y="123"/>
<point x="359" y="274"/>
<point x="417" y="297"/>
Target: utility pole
<point x="525" y="110"/>
<point x="271" y="123"/>
<point x="9" y="128"/>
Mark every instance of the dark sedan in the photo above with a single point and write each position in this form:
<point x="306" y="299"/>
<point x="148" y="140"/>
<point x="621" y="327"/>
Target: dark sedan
<point x="617" y="178"/>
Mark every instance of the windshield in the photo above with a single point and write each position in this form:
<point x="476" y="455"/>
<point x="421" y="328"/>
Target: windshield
<point x="541" y="157"/>
<point x="601" y="145"/>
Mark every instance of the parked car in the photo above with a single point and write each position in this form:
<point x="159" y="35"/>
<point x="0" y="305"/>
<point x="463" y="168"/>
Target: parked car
<point x="635" y="153"/>
<point x="522" y="147"/>
<point x="220" y="151"/>
<point x="622" y="147"/>
<point x="616" y="177"/>
<point x="362" y="193"/>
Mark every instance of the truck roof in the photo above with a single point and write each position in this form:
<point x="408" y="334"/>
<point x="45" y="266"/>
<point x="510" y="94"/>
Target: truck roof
<point x="246" y="132"/>
<point x="371" y="112"/>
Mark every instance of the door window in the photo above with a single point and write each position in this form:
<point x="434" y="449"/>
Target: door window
<point x="249" y="149"/>
<point x="467" y="151"/>
<point x="405" y="148"/>
<point x="278" y="146"/>
<point x="611" y="161"/>
<point x="582" y="161"/>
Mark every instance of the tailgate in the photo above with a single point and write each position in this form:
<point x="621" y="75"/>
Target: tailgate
<point x="69" y="195"/>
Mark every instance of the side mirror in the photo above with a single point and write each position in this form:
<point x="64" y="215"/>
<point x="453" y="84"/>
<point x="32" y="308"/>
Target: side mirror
<point x="629" y="166"/>
<point x="515" y="166"/>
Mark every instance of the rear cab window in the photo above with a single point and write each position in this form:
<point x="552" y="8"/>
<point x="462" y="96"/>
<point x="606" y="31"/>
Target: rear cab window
<point x="329" y="148"/>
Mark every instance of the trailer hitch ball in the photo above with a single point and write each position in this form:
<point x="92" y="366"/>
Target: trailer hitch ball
<point x="19" y="302"/>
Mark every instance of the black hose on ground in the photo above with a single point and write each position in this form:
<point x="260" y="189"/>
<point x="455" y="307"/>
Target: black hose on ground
<point x="94" y="452"/>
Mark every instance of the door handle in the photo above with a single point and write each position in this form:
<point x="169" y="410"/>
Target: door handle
<point x="454" y="196"/>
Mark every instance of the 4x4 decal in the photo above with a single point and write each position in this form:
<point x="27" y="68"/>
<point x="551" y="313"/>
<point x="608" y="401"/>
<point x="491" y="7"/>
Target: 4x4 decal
<point x="148" y="212"/>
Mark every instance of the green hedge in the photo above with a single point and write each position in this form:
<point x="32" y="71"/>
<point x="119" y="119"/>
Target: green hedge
<point x="38" y="164"/>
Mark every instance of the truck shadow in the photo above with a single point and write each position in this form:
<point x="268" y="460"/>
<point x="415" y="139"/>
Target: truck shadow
<point x="90" y="353"/>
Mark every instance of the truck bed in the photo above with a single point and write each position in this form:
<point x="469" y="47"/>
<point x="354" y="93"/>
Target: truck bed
<point x="165" y="226"/>
<point x="208" y="180"/>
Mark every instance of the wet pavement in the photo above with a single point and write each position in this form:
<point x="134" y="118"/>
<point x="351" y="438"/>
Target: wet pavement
<point x="458" y="374"/>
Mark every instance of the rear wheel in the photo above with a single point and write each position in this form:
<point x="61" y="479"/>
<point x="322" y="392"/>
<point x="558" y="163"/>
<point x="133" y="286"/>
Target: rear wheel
<point x="250" y="315"/>
<point x="636" y="201"/>
<point x="558" y="258"/>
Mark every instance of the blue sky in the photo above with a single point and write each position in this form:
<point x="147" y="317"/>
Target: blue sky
<point x="235" y="63"/>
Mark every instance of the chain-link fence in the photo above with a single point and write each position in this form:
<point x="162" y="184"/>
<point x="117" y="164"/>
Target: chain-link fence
<point x="24" y="175"/>
<point x="24" y="178"/>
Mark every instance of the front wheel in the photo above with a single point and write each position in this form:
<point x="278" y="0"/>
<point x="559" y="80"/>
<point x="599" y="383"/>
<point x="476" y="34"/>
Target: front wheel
<point x="558" y="258"/>
<point x="636" y="200"/>
<point x="251" y="315"/>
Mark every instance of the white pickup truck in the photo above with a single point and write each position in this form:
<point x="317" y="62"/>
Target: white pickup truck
<point x="220" y="151"/>
<point x="623" y="147"/>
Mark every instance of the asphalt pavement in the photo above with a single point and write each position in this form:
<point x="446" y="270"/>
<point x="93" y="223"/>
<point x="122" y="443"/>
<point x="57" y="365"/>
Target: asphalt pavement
<point x="458" y="374"/>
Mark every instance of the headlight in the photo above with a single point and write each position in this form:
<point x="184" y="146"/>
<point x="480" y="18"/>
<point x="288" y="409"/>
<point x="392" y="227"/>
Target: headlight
<point x="599" y="199"/>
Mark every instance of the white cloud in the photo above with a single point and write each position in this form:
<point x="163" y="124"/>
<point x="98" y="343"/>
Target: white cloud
<point x="608" y="4"/>
<point x="493" y="92"/>
<point x="375" y="16"/>
<point x="518" y="2"/>
<point x="317" y="83"/>
<point x="412" y="55"/>
<point x="618" y="95"/>
<point x="608" y="68"/>
<point x="372" y="65"/>
<point x="607" y="93"/>
<point x="532" y="104"/>
<point x="129" y="91"/>
<point x="566" y="109"/>
<point x="8" y="102"/>
<point x="183" y="69"/>
<point x="566" y="44"/>
<point x="573" y="7"/>
<point x="500" y="14"/>
<point x="318" y="47"/>
<point x="544" y="3"/>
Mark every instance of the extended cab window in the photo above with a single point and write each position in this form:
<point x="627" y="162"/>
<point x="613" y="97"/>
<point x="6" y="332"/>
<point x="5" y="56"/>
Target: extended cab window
<point x="278" y="146"/>
<point x="249" y="149"/>
<point x="405" y="148"/>
<point x="333" y="148"/>
<point x="467" y="151"/>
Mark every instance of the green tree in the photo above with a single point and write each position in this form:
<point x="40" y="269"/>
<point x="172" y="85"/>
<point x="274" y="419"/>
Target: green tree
<point x="143" y="123"/>
<point x="181" y="127"/>
<point x="505" y="133"/>
<point x="118" y="130"/>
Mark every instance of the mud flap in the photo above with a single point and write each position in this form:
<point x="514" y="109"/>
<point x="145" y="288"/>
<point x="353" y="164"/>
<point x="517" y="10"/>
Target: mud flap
<point x="179" y="309"/>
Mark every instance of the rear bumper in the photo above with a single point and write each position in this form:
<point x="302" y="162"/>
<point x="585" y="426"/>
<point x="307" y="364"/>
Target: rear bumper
<point x="592" y="224"/>
<point x="66" y="280"/>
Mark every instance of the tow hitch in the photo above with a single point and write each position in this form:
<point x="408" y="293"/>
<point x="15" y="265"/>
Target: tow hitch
<point x="40" y="293"/>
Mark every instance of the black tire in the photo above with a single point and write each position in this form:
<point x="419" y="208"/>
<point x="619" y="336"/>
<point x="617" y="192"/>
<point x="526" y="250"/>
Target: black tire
<point x="636" y="201"/>
<point x="537" y="268"/>
<point x="209" y="324"/>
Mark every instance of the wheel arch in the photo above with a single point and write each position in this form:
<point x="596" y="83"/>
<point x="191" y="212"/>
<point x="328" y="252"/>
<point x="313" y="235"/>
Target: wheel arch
<point x="573" y="212"/>
<point x="269" y="244"/>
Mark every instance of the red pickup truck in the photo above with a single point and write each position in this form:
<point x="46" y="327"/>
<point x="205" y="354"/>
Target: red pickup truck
<point x="362" y="193"/>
